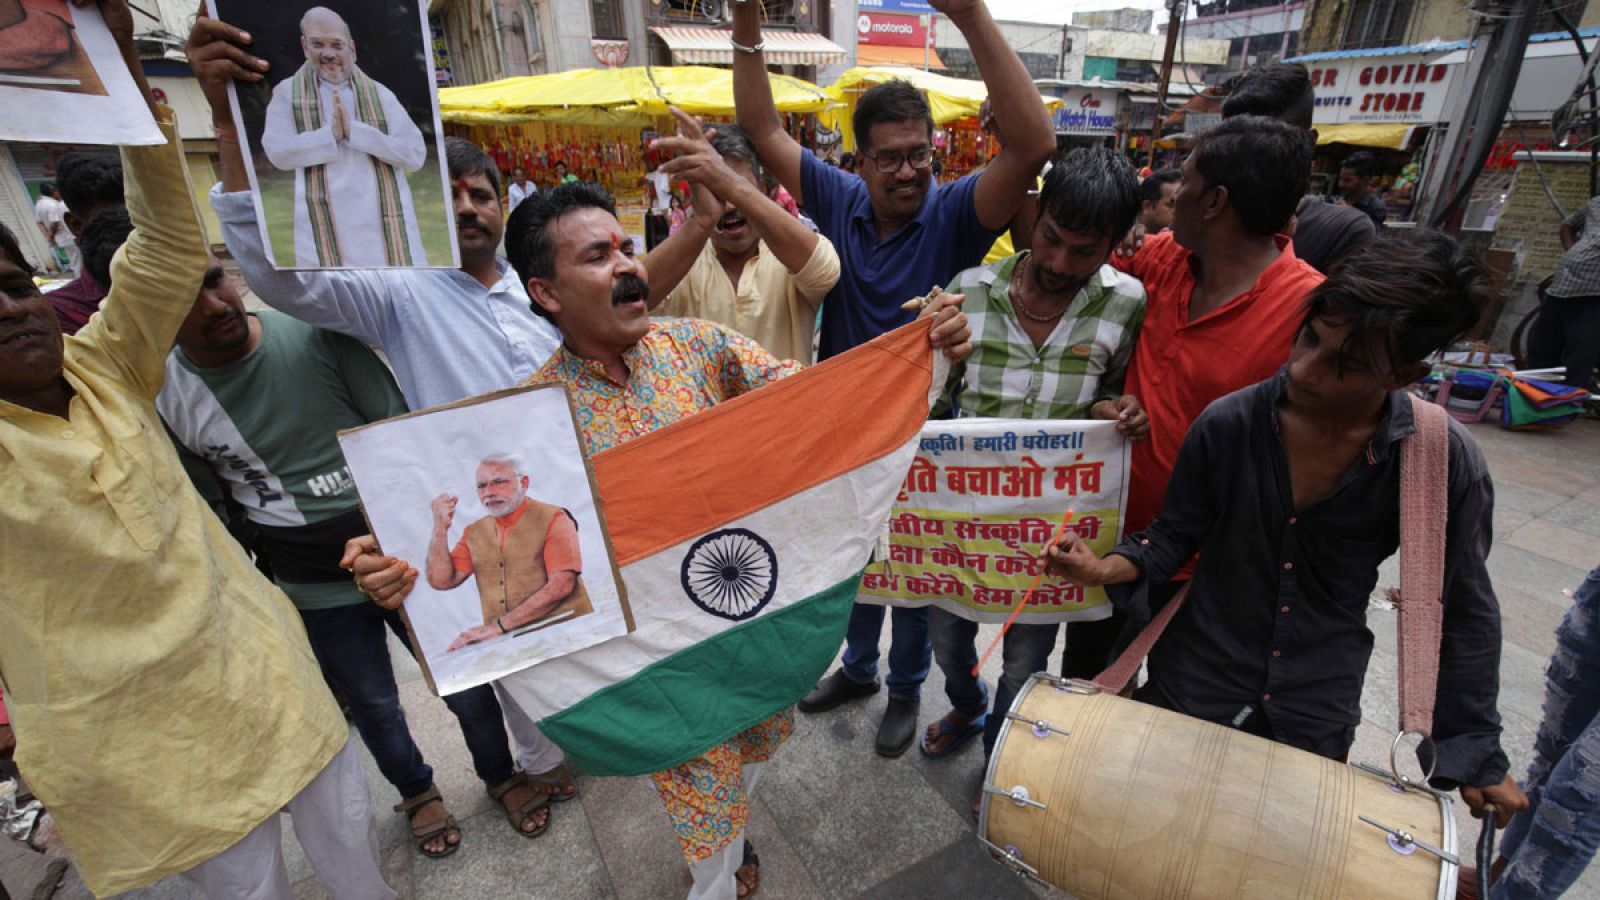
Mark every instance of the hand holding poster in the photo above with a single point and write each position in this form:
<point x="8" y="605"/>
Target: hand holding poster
<point x="63" y="78"/>
<point x="492" y="502"/>
<point x="344" y="149"/>
<point x="981" y="500"/>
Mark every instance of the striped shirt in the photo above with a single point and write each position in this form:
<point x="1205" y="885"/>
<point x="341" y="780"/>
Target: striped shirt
<point x="1083" y="360"/>
<point x="1579" y="272"/>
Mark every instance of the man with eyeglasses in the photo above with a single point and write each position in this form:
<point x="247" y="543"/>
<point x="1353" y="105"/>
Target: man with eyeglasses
<point x="897" y="235"/>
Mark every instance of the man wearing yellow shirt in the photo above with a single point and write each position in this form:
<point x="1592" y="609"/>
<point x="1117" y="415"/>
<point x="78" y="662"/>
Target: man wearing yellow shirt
<point x="130" y="623"/>
<point x="741" y="260"/>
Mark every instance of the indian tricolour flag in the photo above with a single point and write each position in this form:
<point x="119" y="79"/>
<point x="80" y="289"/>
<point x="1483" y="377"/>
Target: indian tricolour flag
<point x="741" y="534"/>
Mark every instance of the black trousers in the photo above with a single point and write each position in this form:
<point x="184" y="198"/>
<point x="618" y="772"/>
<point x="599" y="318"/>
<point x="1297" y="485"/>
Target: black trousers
<point x="1567" y="333"/>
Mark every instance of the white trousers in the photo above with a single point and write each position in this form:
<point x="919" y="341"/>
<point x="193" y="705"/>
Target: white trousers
<point x="713" y="877"/>
<point x="332" y="819"/>
<point x="535" y="753"/>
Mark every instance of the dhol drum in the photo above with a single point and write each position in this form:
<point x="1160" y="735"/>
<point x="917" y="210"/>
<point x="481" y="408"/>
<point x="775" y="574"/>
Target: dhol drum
<point x="1106" y="797"/>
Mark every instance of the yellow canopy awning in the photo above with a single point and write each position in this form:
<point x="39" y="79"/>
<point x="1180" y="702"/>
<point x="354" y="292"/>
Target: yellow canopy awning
<point x="1389" y="135"/>
<point x="949" y="98"/>
<point x="624" y="96"/>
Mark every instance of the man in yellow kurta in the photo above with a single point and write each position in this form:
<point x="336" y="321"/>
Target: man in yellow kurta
<point x="132" y="627"/>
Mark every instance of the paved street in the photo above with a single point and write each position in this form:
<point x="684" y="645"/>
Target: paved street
<point x="833" y="820"/>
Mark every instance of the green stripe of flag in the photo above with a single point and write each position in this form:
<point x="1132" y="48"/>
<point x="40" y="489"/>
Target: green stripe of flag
<point x="676" y="708"/>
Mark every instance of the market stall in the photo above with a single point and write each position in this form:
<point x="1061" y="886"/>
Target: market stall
<point x="598" y="122"/>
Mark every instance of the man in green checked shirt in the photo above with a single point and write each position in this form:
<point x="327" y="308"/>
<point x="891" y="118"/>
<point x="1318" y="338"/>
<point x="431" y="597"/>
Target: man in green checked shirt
<point x="1052" y="332"/>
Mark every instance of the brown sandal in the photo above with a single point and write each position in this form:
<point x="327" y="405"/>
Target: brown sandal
<point x="748" y="875"/>
<point x="554" y="782"/>
<point x="524" y="813"/>
<point x="422" y="834"/>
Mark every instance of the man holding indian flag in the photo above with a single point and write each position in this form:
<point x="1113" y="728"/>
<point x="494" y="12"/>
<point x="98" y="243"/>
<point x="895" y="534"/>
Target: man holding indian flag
<point x="739" y="598"/>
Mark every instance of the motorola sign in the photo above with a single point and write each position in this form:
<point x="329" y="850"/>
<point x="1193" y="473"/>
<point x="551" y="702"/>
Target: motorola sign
<point x="888" y="29"/>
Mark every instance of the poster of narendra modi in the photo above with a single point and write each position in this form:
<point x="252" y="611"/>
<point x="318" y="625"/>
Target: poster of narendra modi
<point x="493" y="504"/>
<point x="342" y="138"/>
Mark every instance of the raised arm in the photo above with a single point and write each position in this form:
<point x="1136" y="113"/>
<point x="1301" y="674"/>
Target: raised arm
<point x="752" y="100"/>
<point x="158" y="270"/>
<point x="697" y="162"/>
<point x="352" y="303"/>
<point x="1021" y="122"/>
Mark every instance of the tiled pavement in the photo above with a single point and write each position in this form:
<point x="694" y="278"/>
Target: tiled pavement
<point x="834" y="820"/>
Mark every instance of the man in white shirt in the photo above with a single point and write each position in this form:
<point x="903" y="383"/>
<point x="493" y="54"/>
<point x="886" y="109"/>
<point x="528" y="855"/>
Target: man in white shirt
<point x="351" y="144"/>
<point x="521" y="189"/>
<point x="51" y="213"/>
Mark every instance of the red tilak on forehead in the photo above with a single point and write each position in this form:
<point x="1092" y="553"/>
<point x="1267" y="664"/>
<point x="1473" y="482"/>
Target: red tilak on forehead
<point x="461" y="184"/>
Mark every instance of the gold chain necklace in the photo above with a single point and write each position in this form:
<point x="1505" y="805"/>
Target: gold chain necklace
<point x="1016" y="296"/>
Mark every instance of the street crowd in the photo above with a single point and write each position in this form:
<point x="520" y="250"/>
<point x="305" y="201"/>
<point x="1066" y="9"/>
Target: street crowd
<point x="1255" y="352"/>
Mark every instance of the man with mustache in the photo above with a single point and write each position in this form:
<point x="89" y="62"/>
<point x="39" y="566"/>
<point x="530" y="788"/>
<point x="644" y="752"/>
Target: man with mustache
<point x="525" y="555"/>
<point x="351" y="145"/>
<point x="741" y="259"/>
<point x="634" y="375"/>
<point x="130" y="623"/>
<point x="1053" y="330"/>
<point x="447" y="334"/>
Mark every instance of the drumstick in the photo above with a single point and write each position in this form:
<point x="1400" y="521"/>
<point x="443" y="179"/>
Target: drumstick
<point x="1025" y="598"/>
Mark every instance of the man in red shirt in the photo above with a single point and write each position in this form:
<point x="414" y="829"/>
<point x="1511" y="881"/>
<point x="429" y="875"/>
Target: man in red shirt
<point x="1226" y="296"/>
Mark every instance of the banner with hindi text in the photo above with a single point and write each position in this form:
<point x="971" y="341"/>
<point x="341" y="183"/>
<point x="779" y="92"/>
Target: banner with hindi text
<point x="979" y="503"/>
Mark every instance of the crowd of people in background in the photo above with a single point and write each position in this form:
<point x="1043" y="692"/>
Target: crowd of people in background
<point x="1253" y="344"/>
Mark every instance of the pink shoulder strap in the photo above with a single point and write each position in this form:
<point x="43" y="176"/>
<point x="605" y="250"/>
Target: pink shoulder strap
<point x="1424" y="503"/>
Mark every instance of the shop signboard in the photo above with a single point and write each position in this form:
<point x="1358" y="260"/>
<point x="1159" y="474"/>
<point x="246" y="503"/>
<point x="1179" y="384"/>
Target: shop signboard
<point x="1086" y="111"/>
<point x="1409" y="87"/>
<point x="892" y="29"/>
<point x="911" y="7"/>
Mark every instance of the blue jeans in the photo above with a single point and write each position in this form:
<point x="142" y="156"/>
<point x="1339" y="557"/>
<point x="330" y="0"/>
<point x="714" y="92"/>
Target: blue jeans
<point x="910" y="652"/>
<point x="1026" y="649"/>
<point x="349" y="642"/>
<point x="1550" y="844"/>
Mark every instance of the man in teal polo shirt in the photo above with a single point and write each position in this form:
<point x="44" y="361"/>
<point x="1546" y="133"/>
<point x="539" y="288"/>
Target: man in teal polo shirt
<point x="897" y="234"/>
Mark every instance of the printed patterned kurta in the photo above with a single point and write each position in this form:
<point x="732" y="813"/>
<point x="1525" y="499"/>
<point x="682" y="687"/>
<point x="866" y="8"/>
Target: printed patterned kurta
<point x="681" y="367"/>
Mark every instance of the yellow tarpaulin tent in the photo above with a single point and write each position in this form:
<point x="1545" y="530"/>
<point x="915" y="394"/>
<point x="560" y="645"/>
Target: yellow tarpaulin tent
<point x="632" y="95"/>
<point x="949" y="98"/>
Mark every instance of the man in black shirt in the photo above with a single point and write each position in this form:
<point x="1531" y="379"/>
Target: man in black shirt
<point x="1355" y="186"/>
<point x="1289" y="491"/>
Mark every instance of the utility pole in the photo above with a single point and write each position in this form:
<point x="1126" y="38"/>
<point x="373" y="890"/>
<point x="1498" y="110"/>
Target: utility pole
<point x="1066" y="47"/>
<point x="1175" y="9"/>
<point x="1493" y="66"/>
<point x="927" y="40"/>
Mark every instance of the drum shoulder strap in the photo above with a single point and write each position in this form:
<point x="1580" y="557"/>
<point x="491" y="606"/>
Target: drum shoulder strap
<point x="1424" y="505"/>
<point x="1424" y="514"/>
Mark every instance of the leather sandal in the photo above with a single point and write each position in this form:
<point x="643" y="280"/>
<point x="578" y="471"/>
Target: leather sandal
<point x="524" y="813"/>
<point x="748" y="875"/>
<point x="422" y="834"/>
<point x="554" y="782"/>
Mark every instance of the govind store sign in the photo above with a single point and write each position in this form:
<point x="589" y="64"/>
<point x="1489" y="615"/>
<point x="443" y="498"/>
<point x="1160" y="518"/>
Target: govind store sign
<point x="1405" y="88"/>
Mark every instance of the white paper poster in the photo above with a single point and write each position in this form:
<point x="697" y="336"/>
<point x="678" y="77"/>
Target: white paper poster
<point x="492" y="502"/>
